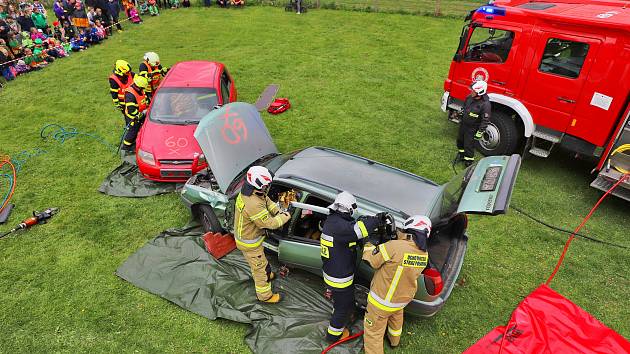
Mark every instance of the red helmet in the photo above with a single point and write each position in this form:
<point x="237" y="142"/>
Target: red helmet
<point x="279" y="105"/>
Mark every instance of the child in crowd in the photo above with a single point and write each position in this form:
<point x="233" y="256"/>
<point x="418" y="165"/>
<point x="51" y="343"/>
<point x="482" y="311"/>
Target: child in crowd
<point x="90" y="14"/>
<point x="186" y="3"/>
<point x="38" y="5"/>
<point x="174" y="4"/>
<point x="68" y="30"/>
<point x="14" y="44"/>
<point x="58" y="31"/>
<point x="33" y="61"/>
<point x="78" y="43"/>
<point x="13" y="25"/>
<point x="92" y="35"/>
<point x="144" y="7"/>
<point x="41" y="52"/>
<point x="67" y="47"/>
<point x="35" y="34"/>
<point x="153" y="9"/>
<point x="21" y="67"/>
<point x="134" y="17"/>
<point x="27" y="42"/>
<point x="100" y="30"/>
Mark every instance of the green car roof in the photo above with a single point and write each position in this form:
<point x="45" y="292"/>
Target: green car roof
<point x="364" y="178"/>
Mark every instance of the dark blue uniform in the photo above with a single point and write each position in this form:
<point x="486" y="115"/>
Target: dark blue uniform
<point x="338" y="241"/>
<point x="476" y="117"/>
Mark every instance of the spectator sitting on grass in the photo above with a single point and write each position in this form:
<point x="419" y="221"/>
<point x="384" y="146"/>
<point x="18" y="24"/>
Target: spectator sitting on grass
<point x="92" y="35"/>
<point x="27" y="42"/>
<point x="33" y="61"/>
<point x="153" y="9"/>
<point x="37" y="33"/>
<point x="223" y="3"/>
<point x="67" y="47"/>
<point x="58" y="31"/>
<point x="41" y="51"/>
<point x="237" y="3"/>
<point x="68" y="30"/>
<point x="174" y="4"/>
<point x="186" y="3"/>
<point x="134" y="17"/>
<point x="100" y="30"/>
<point x="21" y="67"/>
<point x="78" y="43"/>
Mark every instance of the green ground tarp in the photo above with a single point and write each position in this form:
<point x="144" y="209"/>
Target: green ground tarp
<point x="126" y="181"/>
<point x="176" y="266"/>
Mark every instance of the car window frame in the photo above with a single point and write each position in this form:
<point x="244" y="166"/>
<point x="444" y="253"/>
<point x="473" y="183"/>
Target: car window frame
<point x="551" y="37"/>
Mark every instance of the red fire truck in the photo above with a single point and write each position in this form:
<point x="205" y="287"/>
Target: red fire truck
<point x="558" y="74"/>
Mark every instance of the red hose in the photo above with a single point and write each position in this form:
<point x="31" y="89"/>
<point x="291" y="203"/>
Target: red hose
<point x="359" y="334"/>
<point x="568" y="243"/>
<point x="4" y="161"/>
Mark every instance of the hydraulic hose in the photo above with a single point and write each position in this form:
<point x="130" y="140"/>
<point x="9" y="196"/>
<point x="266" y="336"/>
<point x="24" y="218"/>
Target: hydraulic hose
<point x="621" y="149"/>
<point x="12" y="180"/>
<point x="357" y="335"/>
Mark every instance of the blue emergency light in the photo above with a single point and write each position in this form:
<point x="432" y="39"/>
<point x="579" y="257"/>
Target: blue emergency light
<point x="492" y="10"/>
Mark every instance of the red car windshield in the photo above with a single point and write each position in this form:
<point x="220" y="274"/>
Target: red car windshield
<point x="187" y="105"/>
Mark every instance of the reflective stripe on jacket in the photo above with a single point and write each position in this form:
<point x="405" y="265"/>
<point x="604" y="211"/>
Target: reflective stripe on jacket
<point x="398" y="265"/>
<point x="253" y="214"/>
<point x="134" y="104"/>
<point x="121" y="87"/>
<point x="338" y="241"/>
<point x="152" y="73"/>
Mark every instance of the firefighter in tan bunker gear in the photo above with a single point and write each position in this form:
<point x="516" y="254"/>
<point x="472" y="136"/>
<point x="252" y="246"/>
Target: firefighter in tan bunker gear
<point x="255" y="212"/>
<point x="398" y="265"/>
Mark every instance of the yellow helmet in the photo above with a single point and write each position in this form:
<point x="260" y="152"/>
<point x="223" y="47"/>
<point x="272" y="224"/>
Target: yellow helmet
<point x="141" y="82"/>
<point x="122" y="67"/>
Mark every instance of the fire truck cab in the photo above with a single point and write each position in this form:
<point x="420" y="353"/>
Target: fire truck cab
<point x="557" y="74"/>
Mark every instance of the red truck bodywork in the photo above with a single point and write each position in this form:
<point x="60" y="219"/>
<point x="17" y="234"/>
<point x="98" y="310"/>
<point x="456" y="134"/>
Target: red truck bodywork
<point x="558" y="73"/>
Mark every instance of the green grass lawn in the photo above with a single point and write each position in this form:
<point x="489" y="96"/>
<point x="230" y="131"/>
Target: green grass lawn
<point x="366" y="83"/>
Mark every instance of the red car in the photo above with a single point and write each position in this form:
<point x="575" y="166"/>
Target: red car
<point x="166" y="148"/>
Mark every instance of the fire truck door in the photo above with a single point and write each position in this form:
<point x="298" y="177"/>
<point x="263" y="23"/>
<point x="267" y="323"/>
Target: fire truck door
<point x="490" y="56"/>
<point x="557" y="74"/>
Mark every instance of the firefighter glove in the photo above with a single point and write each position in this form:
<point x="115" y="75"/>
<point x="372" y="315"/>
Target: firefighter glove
<point x="478" y="135"/>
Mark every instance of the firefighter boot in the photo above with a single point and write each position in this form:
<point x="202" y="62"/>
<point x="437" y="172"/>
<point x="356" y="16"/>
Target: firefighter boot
<point x="274" y="299"/>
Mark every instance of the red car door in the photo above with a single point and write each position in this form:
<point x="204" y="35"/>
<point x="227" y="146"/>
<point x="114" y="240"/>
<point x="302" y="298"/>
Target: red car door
<point x="557" y="74"/>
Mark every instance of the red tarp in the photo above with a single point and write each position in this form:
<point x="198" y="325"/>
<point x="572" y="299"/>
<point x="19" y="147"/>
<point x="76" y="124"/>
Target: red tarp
<point x="547" y="322"/>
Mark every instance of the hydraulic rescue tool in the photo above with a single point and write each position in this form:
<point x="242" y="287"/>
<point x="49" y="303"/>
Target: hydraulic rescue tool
<point x="37" y="218"/>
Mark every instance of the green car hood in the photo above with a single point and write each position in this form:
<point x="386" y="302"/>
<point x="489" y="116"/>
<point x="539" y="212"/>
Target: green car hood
<point x="233" y="137"/>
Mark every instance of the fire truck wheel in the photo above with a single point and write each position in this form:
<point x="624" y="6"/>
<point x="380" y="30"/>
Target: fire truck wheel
<point x="501" y="136"/>
<point x="208" y="219"/>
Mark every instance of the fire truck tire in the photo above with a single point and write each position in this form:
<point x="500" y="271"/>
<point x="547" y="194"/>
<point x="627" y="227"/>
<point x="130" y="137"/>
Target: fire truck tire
<point x="501" y="136"/>
<point x="208" y="219"/>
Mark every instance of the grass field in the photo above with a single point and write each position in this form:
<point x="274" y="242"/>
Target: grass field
<point x="367" y="83"/>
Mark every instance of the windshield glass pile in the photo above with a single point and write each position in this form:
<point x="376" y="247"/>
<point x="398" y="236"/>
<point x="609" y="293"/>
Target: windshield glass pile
<point x="182" y="105"/>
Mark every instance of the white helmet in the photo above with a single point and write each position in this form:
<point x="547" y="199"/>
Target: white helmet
<point x="480" y="87"/>
<point x="418" y="223"/>
<point x="258" y="177"/>
<point x="152" y="58"/>
<point x="344" y="202"/>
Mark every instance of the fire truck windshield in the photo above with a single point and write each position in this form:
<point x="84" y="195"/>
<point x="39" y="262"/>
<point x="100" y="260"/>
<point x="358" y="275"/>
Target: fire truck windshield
<point x="489" y="45"/>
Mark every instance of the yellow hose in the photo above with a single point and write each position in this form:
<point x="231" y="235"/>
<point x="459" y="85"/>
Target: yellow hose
<point x="622" y="148"/>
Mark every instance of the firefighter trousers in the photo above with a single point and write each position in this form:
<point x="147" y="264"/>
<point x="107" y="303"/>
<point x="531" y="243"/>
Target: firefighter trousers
<point x="260" y="271"/>
<point x="466" y="140"/>
<point x="378" y="322"/>
<point x="343" y="307"/>
<point x="133" y="127"/>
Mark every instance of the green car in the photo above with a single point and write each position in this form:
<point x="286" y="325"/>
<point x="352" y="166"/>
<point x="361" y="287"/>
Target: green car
<point x="234" y="137"/>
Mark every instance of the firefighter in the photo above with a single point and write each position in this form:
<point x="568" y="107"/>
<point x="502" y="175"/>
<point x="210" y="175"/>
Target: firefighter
<point x="135" y="106"/>
<point x="254" y="213"/>
<point x="338" y="241"/>
<point x="398" y="265"/>
<point x="153" y="71"/>
<point x="119" y="80"/>
<point x="474" y="122"/>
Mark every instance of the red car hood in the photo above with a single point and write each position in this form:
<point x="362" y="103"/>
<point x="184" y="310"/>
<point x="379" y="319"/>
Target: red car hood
<point x="169" y="142"/>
